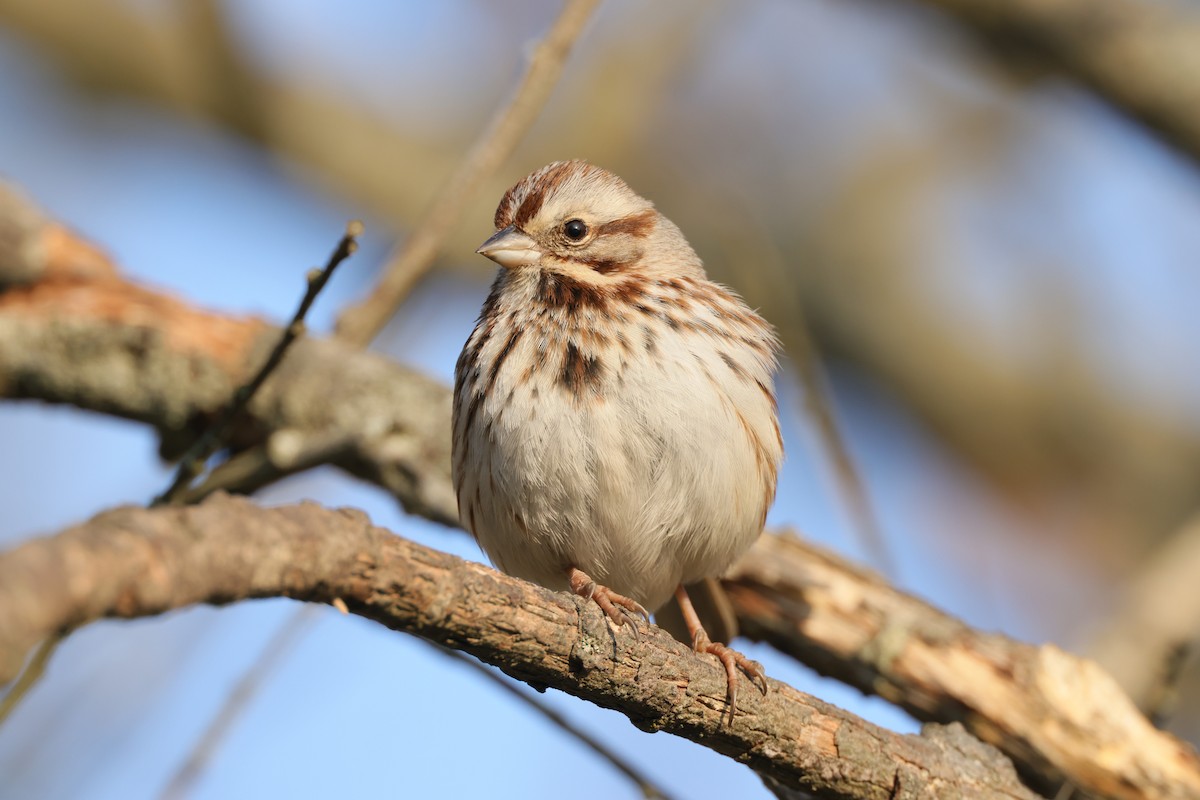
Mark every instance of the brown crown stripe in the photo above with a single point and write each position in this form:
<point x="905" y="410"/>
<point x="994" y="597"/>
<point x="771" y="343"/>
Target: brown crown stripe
<point x="542" y="187"/>
<point x="504" y="211"/>
<point x="638" y="225"/>
<point x="580" y="371"/>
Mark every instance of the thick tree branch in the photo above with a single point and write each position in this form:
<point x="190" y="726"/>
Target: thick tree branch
<point x="135" y="562"/>
<point x="1057" y="715"/>
<point x="72" y="331"/>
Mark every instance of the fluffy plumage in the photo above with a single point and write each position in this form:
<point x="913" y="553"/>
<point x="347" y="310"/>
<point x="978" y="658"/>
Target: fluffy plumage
<point x="614" y="410"/>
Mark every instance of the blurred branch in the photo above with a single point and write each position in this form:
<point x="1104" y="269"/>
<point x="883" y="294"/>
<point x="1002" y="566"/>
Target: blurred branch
<point x="646" y="786"/>
<point x="134" y="562"/>
<point x="361" y="323"/>
<point x="1050" y="423"/>
<point x="30" y="675"/>
<point x="1035" y="418"/>
<point x="69" y="324"/>
<point x="187" y="63"/>
<point x="747" y="240"/>
<point x="1157" y="622"/>
<point x="235" y="703"/>
<point x="1143" y="57"/>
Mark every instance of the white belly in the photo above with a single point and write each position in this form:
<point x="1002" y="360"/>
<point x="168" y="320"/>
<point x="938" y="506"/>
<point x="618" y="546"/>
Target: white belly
<point x="662" y="475"/>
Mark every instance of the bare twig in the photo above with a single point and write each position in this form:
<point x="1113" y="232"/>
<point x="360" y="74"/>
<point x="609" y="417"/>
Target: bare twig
<point x="645" y="785"/>
<point x="273" y="653"/>
<point x="30" y="676"/>
<point x="194" y="460"/>
<point x="748" y="239"/>
<point x="285" y="453"/>
<point x="361" y="323"/>
<point x="180" y="493"/>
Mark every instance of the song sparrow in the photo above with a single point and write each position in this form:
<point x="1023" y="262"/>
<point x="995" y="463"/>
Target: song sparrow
<point x="615" y="427"/>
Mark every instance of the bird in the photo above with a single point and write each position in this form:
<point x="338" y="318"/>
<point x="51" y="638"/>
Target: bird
<point x="615" y="425"/>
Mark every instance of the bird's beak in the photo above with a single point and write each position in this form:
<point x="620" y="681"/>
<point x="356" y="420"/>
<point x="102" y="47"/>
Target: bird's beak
<point x="509" y="247"/>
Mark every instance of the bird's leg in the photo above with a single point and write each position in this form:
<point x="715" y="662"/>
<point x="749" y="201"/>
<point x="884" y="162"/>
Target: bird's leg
<point x="732" y="659"/>
<point x="616" y="606"/>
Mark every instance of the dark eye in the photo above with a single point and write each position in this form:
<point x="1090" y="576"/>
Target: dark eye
<point x="575" y="229"/>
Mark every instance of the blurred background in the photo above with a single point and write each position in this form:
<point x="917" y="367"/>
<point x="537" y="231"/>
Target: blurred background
<point x="998" y="268"/>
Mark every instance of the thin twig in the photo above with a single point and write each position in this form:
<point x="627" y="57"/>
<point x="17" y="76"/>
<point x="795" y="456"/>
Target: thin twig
<point x="648" y="788"/>
<point x="207" y="443"/>
<point x="32" y="673"/>
<point x="238" y="700"/>
<point x="818" y="405"/>
<point x="181" y="493"/>
<point x="361" y="323"/>
<point x="1164" y="700"/>
<point x="1147" y="641"/>
<point x="261" y="465"/>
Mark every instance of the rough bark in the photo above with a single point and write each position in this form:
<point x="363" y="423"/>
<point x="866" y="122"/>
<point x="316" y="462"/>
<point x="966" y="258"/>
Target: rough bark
<point x="1055" y="714"/>
<point x="134" y="562"/>
<point x="72" y="331"/>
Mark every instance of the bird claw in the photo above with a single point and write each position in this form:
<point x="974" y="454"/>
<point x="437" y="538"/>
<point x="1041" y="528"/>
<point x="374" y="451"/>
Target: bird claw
<point x="732" y="661"/>
<point x="617" y="607"/>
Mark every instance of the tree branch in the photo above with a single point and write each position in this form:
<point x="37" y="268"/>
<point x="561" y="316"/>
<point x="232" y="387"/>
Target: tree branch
<point x="1050" y="711"/>
<point x="134" y="562"/>
<point x="72" y="331"/>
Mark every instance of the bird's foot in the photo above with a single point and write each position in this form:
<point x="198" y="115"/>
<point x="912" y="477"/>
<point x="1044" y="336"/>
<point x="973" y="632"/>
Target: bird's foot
<point x="730" y="658"/>
<point x="619" y="608"/>
<point x="733" y="661"/>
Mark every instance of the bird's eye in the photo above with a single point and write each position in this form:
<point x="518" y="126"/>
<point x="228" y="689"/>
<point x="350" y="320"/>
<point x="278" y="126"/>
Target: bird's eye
<point x="575" y="229"/>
